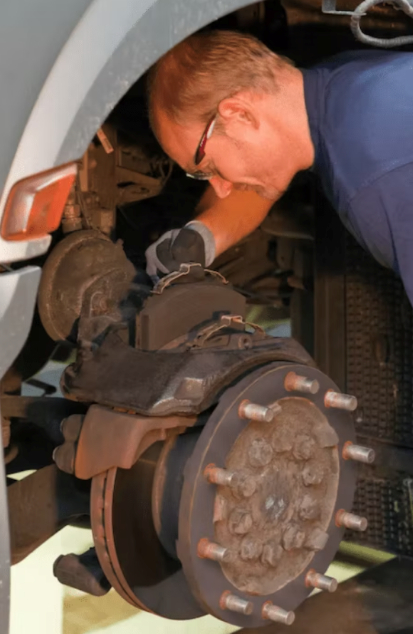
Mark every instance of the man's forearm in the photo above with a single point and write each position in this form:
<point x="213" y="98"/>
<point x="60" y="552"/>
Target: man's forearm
<point x="232" y="218"/>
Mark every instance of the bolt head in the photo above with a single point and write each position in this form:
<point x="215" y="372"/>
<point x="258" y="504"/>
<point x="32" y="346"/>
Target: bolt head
<point x="271" y="554"/>
<point x="260" y="453"/>
<point x="245" y="485"/>
<point x="309" y="508"/>
<point x="240" y="521"/>
<point x="304" y="447"/>
<point x="317" y="540"/>
<point x="312" y="475"/>
<point x="293" y="538"/>
<point x="251" y="549"/>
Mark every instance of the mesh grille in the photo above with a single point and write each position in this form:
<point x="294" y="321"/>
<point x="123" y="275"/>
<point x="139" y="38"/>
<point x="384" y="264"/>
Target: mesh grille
<point x="387" y="504"/>
<point x="379" y="334"/>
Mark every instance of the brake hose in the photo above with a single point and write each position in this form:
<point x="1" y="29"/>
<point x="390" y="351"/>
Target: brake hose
<point x="361" y="10"/>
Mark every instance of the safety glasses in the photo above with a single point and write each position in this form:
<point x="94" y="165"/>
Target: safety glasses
<point x="200" y="151"/>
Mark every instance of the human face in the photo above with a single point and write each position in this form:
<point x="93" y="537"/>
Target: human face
<point x="244" y="154"/>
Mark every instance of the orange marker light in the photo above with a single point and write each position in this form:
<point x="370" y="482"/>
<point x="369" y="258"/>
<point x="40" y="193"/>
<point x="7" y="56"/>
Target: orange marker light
<point x="35" y="204"/>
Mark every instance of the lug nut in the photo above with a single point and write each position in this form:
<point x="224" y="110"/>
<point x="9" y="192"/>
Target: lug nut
<point x="340" y="401"/>
<point x="231" y="602"/>
<point x="295" y="383"/>
<point x="215" y="475"/>
<point x="321" y="582"/>
<point x="258" y="413"/>
<point x="209" y="550"/>
<point x="353" y="522"/>
<point x="276" y="614"/>
<point x="358" y="453"/>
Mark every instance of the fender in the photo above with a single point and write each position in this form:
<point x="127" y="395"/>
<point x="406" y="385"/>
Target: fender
<point x="110" y="47"/>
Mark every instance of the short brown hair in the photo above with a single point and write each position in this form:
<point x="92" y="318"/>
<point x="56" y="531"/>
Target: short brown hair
<point x="189" y="81"/>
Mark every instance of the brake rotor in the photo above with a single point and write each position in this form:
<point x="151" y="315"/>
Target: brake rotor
<point x="278" y="523"/>
<point x="127" y="545"/>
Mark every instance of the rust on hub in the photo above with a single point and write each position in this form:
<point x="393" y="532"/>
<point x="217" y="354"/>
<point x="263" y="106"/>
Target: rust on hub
<point x="277" y="529"/>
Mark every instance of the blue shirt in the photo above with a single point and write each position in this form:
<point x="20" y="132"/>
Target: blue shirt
<point x="360" y="110"/>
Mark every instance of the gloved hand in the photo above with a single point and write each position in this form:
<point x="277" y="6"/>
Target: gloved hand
<point x="193" y="243"/>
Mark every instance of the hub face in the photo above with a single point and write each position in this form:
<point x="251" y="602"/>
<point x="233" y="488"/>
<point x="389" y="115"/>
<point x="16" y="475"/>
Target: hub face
<point x="268" y="509"/>
<point x="291" y="466"/>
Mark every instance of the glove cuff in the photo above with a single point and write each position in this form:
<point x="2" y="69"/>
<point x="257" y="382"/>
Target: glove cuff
<point x="208" y="238"/>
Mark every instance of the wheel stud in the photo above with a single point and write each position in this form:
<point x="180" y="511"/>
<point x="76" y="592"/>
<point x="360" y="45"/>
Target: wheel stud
<point x="233" y="603"/>
<point x="340" y="401"/>
<point x="295" y="383"/>
<point x="321" y="582"/>
<point x="358" y="453"/>
<point x="276" y="614"/>
<point x="351" y="521"/>
<point x="209" y="550"/>
<point x="258" y="413"/>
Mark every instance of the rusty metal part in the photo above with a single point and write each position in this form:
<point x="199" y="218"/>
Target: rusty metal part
<point x="351" y="521"/>
<point x="283" y="508"/>
<point x="192" y="269"/>
<point x="167" y="486"/>
<point x="64" y="457"/>
<point x="288" y="524"/>
<point x="46" y="413"/>
<point x="273" y="613"/>
<point x="215" y="552"/>
<point x="242" y="483"/>
<point x="111" y="439"/>
<point x="296" y="383"/>
<point x="233" y="603"/>
<point x="83" y="263"/>
<point x="321" y="582"/>
<point x="40" y="505"/>
<point x="127" y="545"/>
<point x="227" y="322"/>
<point x="71" y="218"/>
<point x="82" y="572"/>
<point x="358" y="453"/>
<point x="340" y="401"/>
<point x="178" y="382"/>
<point x="215" y="475"/>
<point x="258" y="413"/>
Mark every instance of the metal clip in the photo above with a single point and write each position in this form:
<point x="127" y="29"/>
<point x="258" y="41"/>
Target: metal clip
<point x="185" y="269"/>
<point x="226" y="321"/>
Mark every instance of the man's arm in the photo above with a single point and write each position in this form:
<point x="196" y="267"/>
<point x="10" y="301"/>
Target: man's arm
<point x="220" y="223"/>
<point x="232" y="218"/>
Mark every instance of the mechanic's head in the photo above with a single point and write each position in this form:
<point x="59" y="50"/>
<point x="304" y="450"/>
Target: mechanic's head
<point x="229" y="110"/>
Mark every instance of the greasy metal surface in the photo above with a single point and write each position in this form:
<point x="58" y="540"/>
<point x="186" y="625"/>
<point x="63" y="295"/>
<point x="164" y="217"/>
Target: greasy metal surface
<point x="166" y="383"/>
<point x="128" y="547"/>
<point x="111" y="439"/>
<point x="377" y="601"/>
<point x="85" y="264"/>
<point x="285" y="507"/>
<point x="185" y="306"/>
<point x="44" y="412"/>
<point x="82" y="572"/>
<point x="40" y="505"/>
<point x="199" y="508"/>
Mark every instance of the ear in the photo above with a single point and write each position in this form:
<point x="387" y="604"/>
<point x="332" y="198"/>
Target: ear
<point x="239" y="109"/>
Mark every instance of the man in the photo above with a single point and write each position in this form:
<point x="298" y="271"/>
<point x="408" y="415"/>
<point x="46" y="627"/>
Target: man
<point x="230" y="111"/>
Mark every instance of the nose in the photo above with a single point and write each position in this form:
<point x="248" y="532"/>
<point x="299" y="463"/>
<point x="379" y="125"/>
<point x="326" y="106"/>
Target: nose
<point x="222" y="187"/>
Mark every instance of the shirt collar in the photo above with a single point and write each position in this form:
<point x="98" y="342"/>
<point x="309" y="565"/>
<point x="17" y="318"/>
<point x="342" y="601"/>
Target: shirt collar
<point x="314" y="103"/>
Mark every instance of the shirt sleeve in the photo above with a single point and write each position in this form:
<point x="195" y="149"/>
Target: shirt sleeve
<point x="382" y="214"/>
